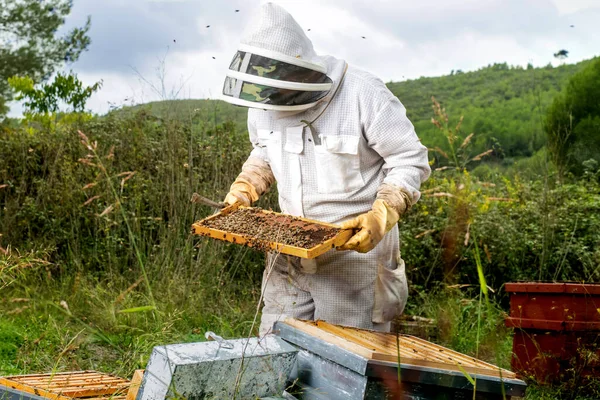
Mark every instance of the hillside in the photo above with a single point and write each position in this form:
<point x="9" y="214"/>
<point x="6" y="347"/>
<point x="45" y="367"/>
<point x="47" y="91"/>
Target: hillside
<point x="213" y="112"/>
<point x="503" y="105"/>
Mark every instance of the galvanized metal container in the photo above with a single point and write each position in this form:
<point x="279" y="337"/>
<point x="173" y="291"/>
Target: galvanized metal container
<point x="246" y="368"/>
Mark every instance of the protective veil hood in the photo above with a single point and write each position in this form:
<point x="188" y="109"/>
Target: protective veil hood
<point x="276" y="67"/>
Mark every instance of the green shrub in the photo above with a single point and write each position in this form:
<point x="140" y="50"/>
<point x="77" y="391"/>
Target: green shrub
<point x="10" y="341"/>
<point x="573" y="121"/>
<point x="66" y="248"/>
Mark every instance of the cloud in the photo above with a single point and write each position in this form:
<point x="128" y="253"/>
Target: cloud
<point x="136" y="33"/>
<point x="404" y="40"/>
<point x="433" y="20"/>
<point x="572" y="6"/>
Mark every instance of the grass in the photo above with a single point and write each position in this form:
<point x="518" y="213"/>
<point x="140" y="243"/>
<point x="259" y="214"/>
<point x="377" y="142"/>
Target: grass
<point x="106" y="267"/>
<point x="77" y="322"/>
<point x="61" y="323"/>
<point x="456" y="312"/>
<point x="101" y="266"/>
<point x="44" y="338"/>
<point x="91" y="333"/>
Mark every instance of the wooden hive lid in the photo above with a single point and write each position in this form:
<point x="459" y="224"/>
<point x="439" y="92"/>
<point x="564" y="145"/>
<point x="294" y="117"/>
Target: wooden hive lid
<point x="405" y="349"/>
<point x="70" y="385"/>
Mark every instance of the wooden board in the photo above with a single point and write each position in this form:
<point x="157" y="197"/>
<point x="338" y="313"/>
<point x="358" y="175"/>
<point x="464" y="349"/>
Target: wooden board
<point x="69" y="385"/>
<point x="405" y="349"/>
<point x="136" y="381"/>
<point x="246" y="240"/>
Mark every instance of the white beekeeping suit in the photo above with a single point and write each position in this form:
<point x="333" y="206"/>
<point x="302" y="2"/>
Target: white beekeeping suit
<point x="342" y="150"/>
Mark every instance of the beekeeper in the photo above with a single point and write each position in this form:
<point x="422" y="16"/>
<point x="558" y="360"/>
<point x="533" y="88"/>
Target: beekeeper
<point x="342" y="150"/>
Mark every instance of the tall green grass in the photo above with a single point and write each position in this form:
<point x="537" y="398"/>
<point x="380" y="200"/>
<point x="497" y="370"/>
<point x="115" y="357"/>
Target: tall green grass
<point x="74" y="294"/>
<point x="108" y="222"/>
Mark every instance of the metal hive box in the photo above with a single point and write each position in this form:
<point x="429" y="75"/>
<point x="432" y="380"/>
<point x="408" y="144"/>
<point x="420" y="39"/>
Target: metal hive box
<point x="250" y="368"/>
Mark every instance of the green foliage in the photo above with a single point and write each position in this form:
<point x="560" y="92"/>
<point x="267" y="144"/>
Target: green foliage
<point x="64" y="230"/>
<point x="573" y="121"/>
<point x="527" y="229"/>
<point x="510" y="229"/>
<point x="74" y="295"/>
<point x="14" y="263"/>
<point x="551" y="393"/>
<point x="503" y="104"/>
<point x="164" y="163"/>
<point x="87" y="282"/>
<point x="30" y="46"/>
<point x="203" y="113"/>
<point x="10" y="342"/>
<point x="65" y="89"/>
<point x="463" y="196"/>
<point x="454" y="156"/>
<point x="460" y="320"/>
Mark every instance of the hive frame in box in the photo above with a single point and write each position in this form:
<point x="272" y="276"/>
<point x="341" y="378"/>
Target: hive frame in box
<point x="316" y="251"/>
<point x="64" y="385"/>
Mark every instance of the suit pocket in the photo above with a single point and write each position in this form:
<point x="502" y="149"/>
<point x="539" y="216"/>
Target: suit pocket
<point x="391" y="292"/>
<point x="338" y="164"/>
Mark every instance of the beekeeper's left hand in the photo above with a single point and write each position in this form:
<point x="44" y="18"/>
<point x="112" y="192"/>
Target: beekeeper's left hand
<point x="370" y="227"/>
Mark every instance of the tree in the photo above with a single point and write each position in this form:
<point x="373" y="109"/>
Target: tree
<point x="29" y="43"/>
<point x="573" y="121"/>
<point x="65" y="89"/>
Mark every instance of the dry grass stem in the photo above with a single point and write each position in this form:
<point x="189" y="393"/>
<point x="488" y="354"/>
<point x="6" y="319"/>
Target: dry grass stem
<point x="420" y="235"/>
<point x="443" y="194"/>
<point x="480" y="156"/>
<point x="441" y="152"/>
<point x="107" y="211"/>
<point x="467" y="140"/>
<point x="89" y="201"/>
<point x="124" y="294"/>
<point x="17" y="310"/>
<point x="500" y="199"/>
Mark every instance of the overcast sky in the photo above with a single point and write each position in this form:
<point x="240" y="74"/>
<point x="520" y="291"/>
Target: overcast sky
<point x="133" y="40"/>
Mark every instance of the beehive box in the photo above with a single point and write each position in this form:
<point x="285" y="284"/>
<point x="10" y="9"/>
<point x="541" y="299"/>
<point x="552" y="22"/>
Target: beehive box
<point x="268" y="230"/>
<point x="353" y="363"/>
<point x="555" y="324"/>
<point x="247" y="368"/>
<point x="67" y="385"/>
<point x="404" y="348"/>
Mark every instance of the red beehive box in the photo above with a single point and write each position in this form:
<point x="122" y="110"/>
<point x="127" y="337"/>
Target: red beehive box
<point x="557" y="329"/>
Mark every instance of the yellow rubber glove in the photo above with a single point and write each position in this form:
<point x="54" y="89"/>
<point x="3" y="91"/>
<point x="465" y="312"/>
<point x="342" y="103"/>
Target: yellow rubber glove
<point x="254" y="180"/>
<point x="243" y="192"/>
<point x="371" y="226"/>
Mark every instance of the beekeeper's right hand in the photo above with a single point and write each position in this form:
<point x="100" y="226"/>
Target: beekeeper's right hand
<point x="254" y="180"/>
<point x="241" y="191"/>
